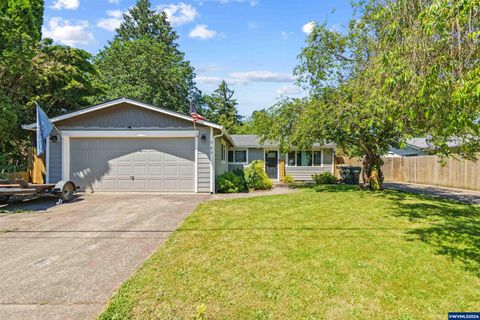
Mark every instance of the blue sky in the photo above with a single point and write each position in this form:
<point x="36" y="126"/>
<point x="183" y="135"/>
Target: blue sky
<point x="252" y="44"/>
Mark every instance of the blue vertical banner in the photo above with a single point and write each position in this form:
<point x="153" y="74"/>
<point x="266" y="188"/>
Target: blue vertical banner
<point x="44" y="128"/>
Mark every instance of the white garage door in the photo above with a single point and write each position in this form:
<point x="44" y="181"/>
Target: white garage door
<point x="132" y="164"/>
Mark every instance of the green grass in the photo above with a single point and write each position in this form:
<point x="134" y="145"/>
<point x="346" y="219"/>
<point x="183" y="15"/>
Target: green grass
<point x="336" y="254"/>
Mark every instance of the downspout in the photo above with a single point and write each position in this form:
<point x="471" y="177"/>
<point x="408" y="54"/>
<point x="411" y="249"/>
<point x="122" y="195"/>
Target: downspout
<point x="213" y="190"/>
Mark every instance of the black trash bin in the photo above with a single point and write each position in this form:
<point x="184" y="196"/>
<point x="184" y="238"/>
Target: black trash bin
<point x="355" y="174"/>
<point x="350" y="174"/>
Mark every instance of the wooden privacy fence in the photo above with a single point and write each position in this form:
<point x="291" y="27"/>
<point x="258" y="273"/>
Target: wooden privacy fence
<point x="456" y="173"/>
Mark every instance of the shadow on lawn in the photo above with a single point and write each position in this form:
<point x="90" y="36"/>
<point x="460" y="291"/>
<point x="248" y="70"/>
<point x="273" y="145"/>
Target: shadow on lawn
<point x="453" y="229"/>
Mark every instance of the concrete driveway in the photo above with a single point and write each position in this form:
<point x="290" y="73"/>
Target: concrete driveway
<point x="65" y="262"/>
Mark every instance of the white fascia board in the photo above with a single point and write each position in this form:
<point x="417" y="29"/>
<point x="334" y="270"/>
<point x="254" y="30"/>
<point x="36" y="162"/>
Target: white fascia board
<point x="129" y="134"/>
<point x="124" y="100"/>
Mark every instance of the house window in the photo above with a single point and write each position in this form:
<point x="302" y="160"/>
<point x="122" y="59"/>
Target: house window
<point x="291" y="159"/>
<point x="224" y="152"/>
<point x="317" y="158"/>
<point x="304" y="158"/>
<point x="237" y="156"/>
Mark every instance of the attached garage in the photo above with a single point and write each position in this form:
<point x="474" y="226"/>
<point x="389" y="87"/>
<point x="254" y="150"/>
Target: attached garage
<point x="129" y="146"/>
<point x="133" y="164"/>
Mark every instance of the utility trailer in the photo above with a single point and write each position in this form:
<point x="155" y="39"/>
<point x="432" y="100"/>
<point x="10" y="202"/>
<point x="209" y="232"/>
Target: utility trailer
<point x="63" y="190"/>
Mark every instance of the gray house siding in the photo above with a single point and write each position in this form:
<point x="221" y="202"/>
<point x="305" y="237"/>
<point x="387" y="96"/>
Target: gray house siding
<point x="124" y="116"/>
<point x="55" y="160"/>
<point x="233" y="167"/>
<point x="220" y="166"/>
<point x="203" y="179"/>
<point x="305" y="173"/>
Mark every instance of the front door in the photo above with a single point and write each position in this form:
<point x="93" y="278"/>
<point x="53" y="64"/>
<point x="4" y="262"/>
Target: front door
<point x="271" y="164"/>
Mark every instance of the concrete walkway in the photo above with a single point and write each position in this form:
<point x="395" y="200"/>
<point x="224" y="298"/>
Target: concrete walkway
<point x="466" y="196"/>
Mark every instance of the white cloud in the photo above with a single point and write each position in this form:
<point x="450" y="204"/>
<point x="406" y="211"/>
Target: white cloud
<point x="289" y="90"/>
<point x="114" y="1"/>
<point x="243" y="78"/>
<point x="261" y="76"/>
<point x="115" y="18"/>
<point x="208" y="80"/>
<point x="66" y="4"/>
<point x="69" y="33"/>
<point x="180" y="13"/>
<point x="308" y="27"/>
<point x="201" y="31"/>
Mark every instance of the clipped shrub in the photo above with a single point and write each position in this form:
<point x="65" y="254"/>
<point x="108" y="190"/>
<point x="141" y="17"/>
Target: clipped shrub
<point x="324" y="178"/>
<point x="231" y="182"/>
<point x="287" y="179"/>
<point x="256" y="177"/>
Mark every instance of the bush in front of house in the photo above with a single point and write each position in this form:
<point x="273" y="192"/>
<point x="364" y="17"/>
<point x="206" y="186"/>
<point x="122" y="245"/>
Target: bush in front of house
<point x="231" y="182"/>
<point x="256" y="177"/>
<point x="287" y="179"/>
<point x="324" y="178"/>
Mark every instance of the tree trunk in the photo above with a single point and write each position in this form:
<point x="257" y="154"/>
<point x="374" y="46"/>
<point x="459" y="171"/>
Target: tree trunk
<point x="372" y="171"/>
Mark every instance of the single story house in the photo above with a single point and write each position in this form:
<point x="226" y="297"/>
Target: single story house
<point x="125" y="145"/>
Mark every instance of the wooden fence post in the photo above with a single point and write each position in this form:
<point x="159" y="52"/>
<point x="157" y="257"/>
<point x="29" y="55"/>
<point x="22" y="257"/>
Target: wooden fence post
<point x="36" y="166"/>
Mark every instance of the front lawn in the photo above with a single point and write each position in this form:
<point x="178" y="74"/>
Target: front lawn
<point x="336" y="254"/>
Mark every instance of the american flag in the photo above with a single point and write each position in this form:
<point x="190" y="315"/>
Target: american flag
<point x="195" y="115"/>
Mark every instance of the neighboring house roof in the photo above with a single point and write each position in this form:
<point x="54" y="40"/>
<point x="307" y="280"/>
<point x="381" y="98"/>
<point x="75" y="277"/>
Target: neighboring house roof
<point x="254" y="141"/>
<point x="423" y="143"/>
<point x="250" y="141"/>
<point x="111" y="103"/>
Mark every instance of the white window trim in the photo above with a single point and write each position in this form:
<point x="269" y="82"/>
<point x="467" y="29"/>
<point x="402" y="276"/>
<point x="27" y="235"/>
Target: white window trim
<point x="321" y="159"/>
<point x="313" y="159"/>
<point x="234" y="150"/>
<point x="224" y="152"/>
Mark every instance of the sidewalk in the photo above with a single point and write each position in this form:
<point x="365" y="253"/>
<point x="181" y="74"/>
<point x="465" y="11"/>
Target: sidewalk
<point x="466" y="196"/>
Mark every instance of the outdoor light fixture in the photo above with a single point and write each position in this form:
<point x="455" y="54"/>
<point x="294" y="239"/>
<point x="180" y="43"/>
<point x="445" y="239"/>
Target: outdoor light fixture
<point x="203" y="138"/>
<point x="53" y="139"/>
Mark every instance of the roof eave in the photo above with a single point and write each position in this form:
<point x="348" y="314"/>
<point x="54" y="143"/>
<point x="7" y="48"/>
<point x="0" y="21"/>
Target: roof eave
<point x="107" y="104"/>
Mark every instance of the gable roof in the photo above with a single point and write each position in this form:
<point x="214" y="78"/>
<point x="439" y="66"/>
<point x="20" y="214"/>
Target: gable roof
<point x="111" y="103"/>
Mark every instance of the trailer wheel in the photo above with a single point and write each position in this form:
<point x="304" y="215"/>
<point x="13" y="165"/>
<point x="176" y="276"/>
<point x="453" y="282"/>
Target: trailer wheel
<point x="68" y="190"/>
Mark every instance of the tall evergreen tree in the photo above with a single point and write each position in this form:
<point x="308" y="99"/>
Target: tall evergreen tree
<point x="222" y="107"/>
<point x="143" y="62"/>
<point x="58" y="77"/>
